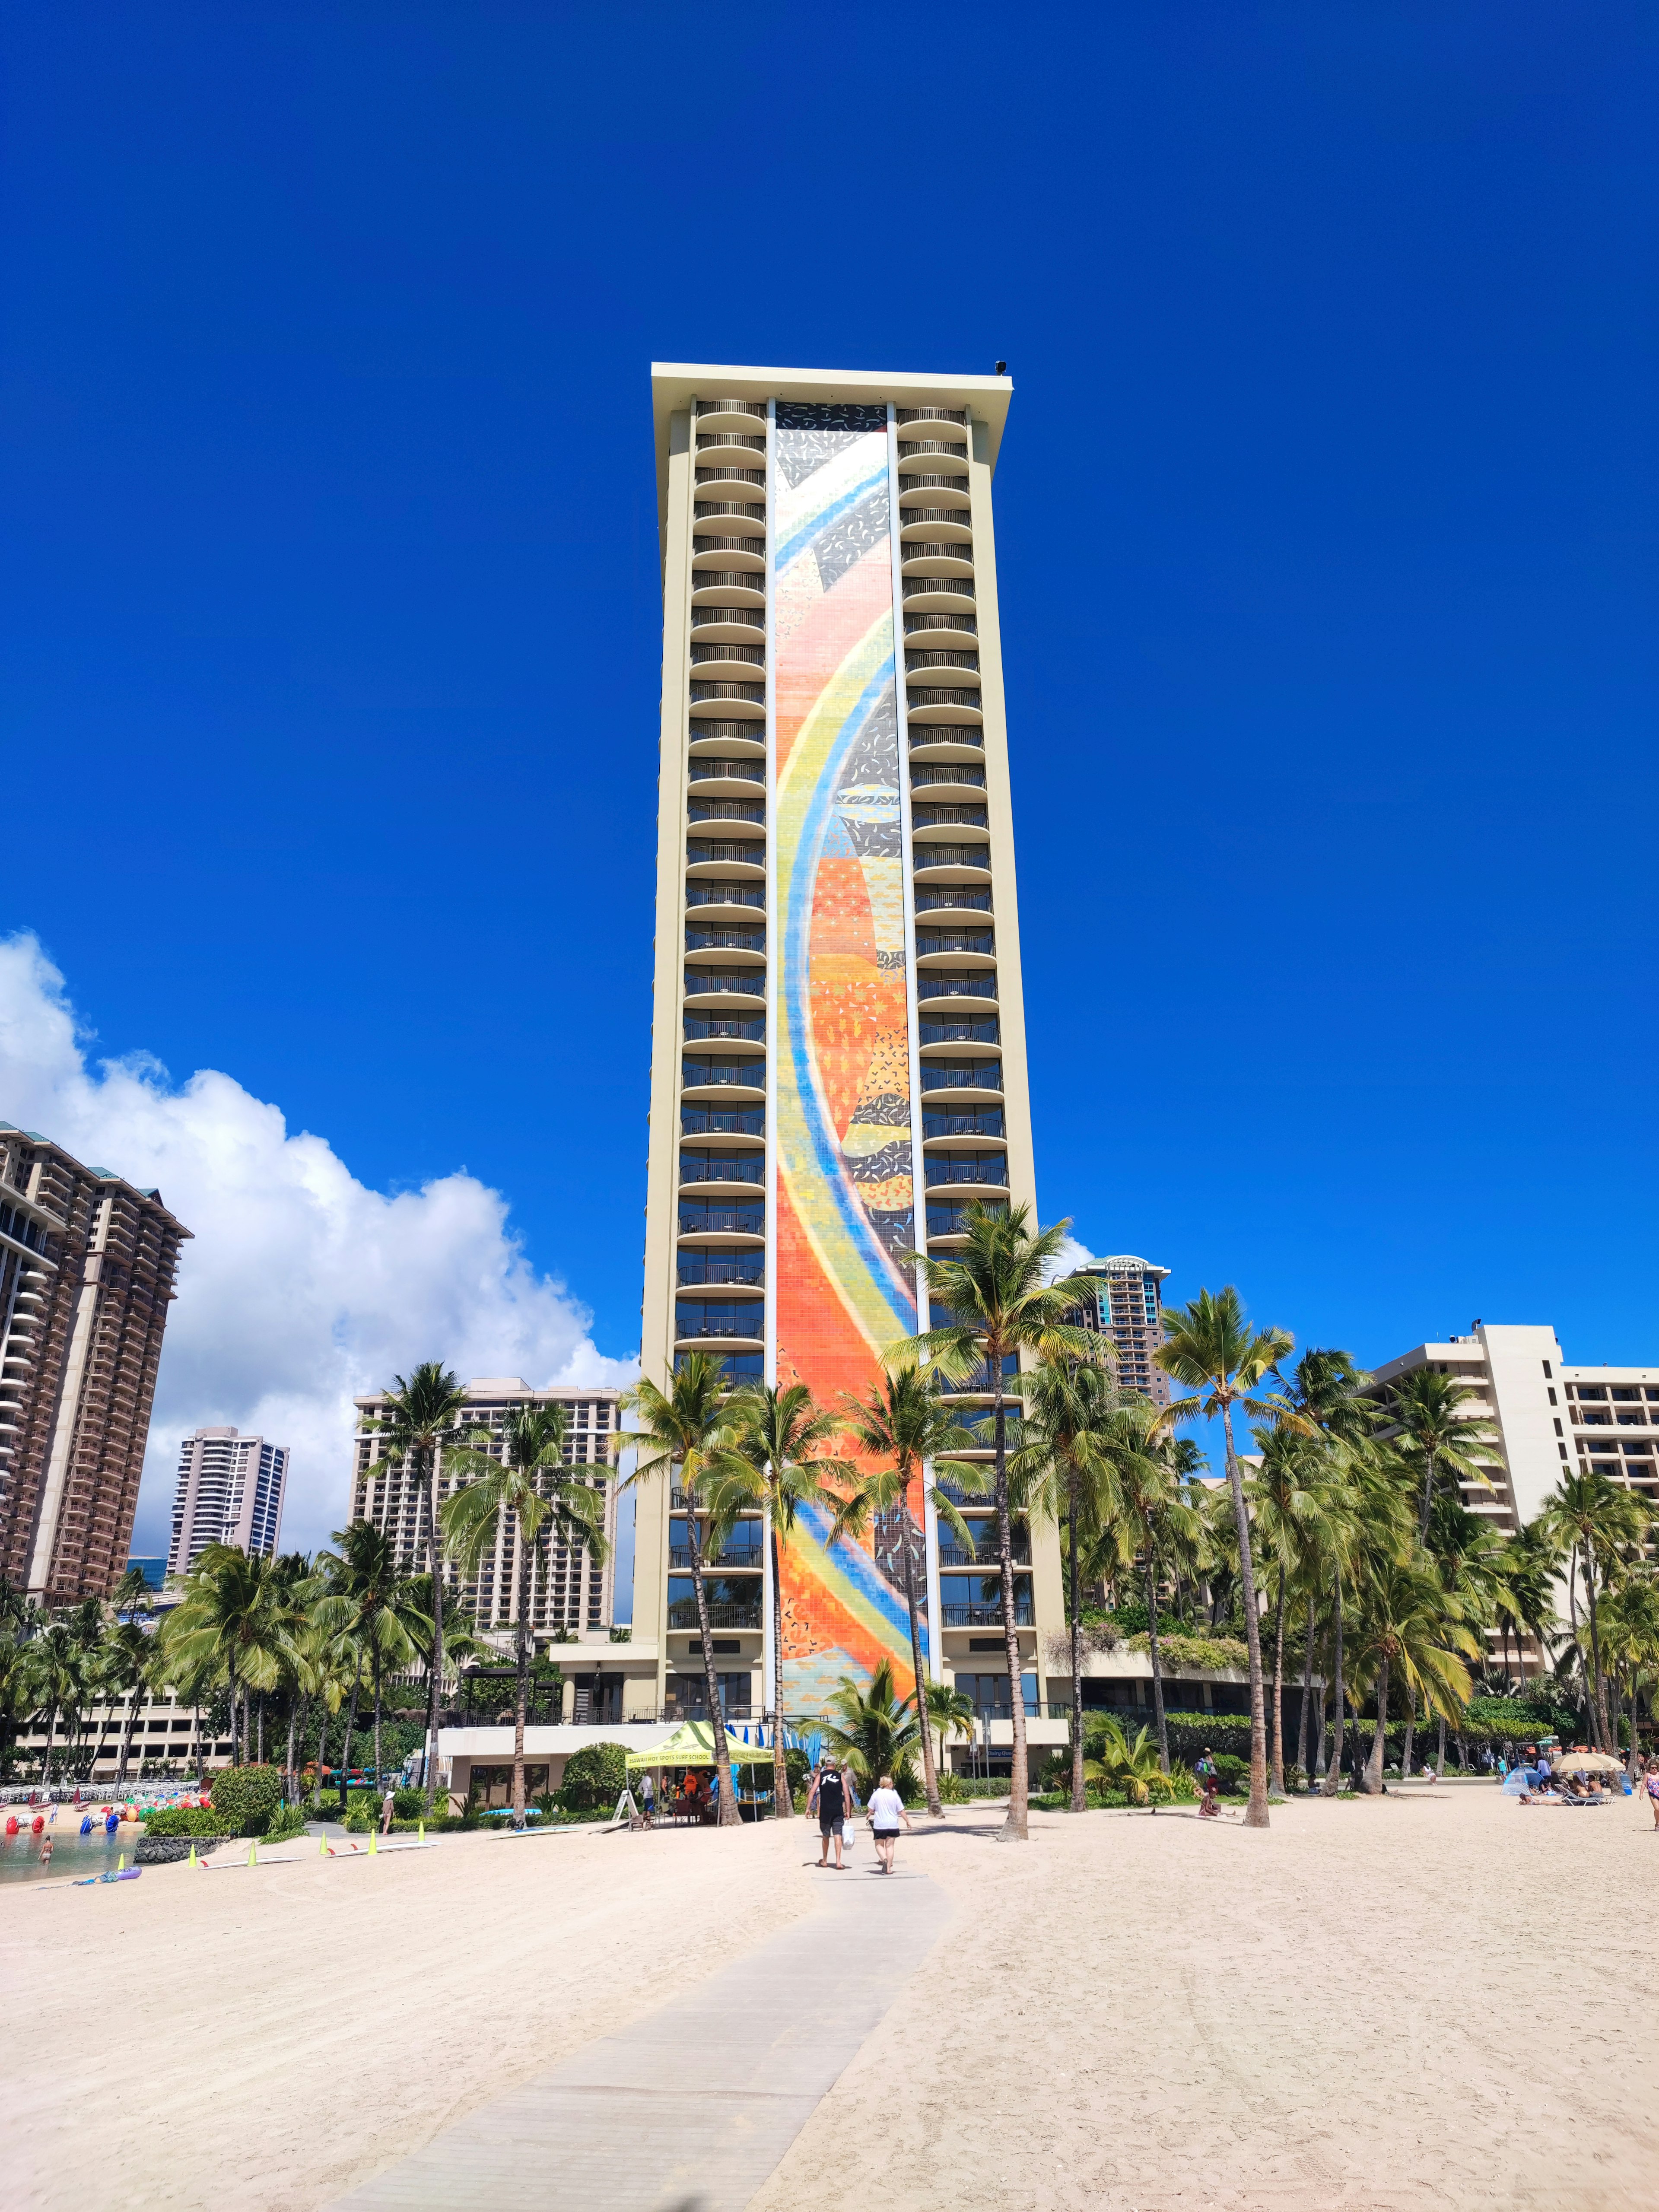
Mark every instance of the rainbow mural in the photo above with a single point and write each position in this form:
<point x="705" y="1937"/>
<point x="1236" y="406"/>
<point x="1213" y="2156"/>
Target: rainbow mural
<point x="845" y="1206"/>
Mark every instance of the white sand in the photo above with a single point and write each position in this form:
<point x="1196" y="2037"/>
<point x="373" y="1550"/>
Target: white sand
<point x="1411" y="2001"/>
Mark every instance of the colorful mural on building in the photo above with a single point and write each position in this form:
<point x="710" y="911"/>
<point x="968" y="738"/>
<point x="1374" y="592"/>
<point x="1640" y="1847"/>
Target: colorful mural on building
<point x="845" y="1206"/>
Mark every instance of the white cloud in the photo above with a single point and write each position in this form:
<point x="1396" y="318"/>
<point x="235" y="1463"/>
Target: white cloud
<point x="302" y="1286"/>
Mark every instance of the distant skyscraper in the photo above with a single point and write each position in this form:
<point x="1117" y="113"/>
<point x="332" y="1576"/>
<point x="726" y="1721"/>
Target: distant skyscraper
<point x="1129" y="1310"/>
<point x="839" y="1062"/>
<point x="87" y="1268"/>
<point x="230" y="1491"/>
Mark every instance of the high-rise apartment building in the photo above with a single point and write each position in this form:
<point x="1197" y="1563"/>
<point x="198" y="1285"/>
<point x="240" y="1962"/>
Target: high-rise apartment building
<point x="86" y="1270"/>
<point x="570" y="1587"/>
<point x="230" y="1491"/>
<point x="839" y="1062"/>
<point x="1551" y="1417"/>
<point x="1129" y="1309"/>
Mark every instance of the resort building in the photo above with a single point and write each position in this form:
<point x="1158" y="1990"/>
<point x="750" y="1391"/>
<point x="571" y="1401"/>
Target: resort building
<point x="1128" y="1308"/>
<point x="1551" y="1417"/>
<point x="839" y="1058"/>
<point x="88" y="1263"/>
<point x="230" y="1491"/>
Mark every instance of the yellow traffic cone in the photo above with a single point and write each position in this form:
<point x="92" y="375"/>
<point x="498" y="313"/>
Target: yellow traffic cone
<point x="421" y="1837"/>
<point x="374" y="1844"/>
<point x="253" y="1854"/>
<point x="191" y="1860"/>
<point x="121" y="1864"/>
<point x="322" y="1847"/>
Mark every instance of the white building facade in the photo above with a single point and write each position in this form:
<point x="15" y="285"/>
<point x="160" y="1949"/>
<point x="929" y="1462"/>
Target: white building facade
<point x="230" y="1491"/>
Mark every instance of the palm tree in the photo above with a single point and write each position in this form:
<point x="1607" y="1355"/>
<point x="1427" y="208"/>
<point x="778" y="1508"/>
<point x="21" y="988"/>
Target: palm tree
<point x="132" y="1593"/>
<point x="1065" y="1467"/>
<point x="127" y="1660"/>
<point x="876" y="1730"/>
<point x="1526" y="1605"/>
<point x="1209" y="1347"/>
<point x="775" y="1468"/>
<point x="1136" y="1767"/>
<point x="367" y="1598"/>
<point x="1288" y="1493"/>
<point x="687" y="1431"/>
<point x="1410" y="1628"/>
<point x="1630" y="1627"/>
<point x="998" y="1290"/>
<point x="531" y="1485"/>
<point x="950" y="1712"/>
<point x="1472" y="1560"/>
<point x="1437" y="1434"/>
<point x="55" y="1666"/>
<point x="904" y="1421"/>
<point x="1594" y="1520"/>
<point x="1151" y="1524"/>
<point x="234" y="1619"/>
<point x="420" y="1419"/>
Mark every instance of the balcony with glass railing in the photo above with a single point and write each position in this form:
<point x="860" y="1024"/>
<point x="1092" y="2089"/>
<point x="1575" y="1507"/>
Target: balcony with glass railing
<point x="726" y="853"/>
<point x="921" y="662"/>
<point x="720" y="653"/>
<point x="950" y="1120"/>
<point x="963" y="898"/>
<point x="721" y="1072"/>
<point x="741" y="624"/>
<point x="907" y="415"/>
<point x="925" y="775"/>
<point x="978" y="1383"/>
<point x="729" y="696"/>
<point x="929" y="854"/>
<point x="729" y="446"/>
<point x="935" y="557"/>
<point x="715" y="546"/>
<point x="928" y="814"/>
<point x="960" y="1029"/>
<point x="944" y="489"/>
<point x="734" y="939"/>
<point x="954" y="1220"/>
<point x="976" y="1601"/>
<point x="725" y="810"/>
<point x="932" y="740"/>
<point x="951" y="983"/>
<point x="712" y="1118"/>
<point x="962" y="1075"/>
<point x="945" y="593"/>
<point x="740" y="1370"/>
<point x="931" y="452"/>
<point x="927" y="701"/>
<point x="953" y="1554"/>
<point x="743" y="1548"/>
<point x="983" y="1171"/>
<point x="699" y="1319"/>
<point x="715" y="767"/>
<point x="709" y="893"/>
<point x="699" y="1264"/>
<point x="722" y="1217"/>
<point x="734" y="1602"/>
<point x="722" y="408"/>
<point x="725" y="982"/>
<point x="723" y="1167"/>
<point x="712" y="481"/>
<point x="932" y="942"/>
<point x="750" y="1026"/>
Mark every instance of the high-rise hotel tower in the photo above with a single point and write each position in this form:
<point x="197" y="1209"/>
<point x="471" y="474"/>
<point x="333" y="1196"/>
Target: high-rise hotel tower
<point x="837" y="977"/>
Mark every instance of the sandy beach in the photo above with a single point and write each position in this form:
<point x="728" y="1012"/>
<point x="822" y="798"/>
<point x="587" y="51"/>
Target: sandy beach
<point x="1418" y="2001"/>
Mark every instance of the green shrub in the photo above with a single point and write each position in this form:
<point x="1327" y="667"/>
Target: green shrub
<point x="185" y="1820"/>
<point x="798" y="1766"/>
<point x="360" y="1815"/>
<point x="1233" y="1774"/>
<point x="595" y="1778"/>
<point x="289" y="1821"/>
<point x="248" y="1798"/>
<point x="408" y="1804"/>
<point x="951" y="1791"/>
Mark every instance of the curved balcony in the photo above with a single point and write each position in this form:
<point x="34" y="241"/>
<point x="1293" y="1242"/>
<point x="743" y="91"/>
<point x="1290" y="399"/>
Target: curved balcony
<point x="722" y="1216"/>
<point x="930" y="856"/>
<point x="924" y="775"/>
<point x="726" y="853"/>
<point x="708" y="732"/>
<point x="932" y="452"/>
<point x="950" y="1120"/>
<point x="931" y="941"/>
<point x="977" y="1171"/>
<point x="730" y="696"/>
<point x="909" y="414"/>
<point x="922" y="626"/>
<point x="722" y="1167"/>
<point x="715" y="480"/>
<point x="751" y="588"/>
<point x="953" y="1554"/>
<point x="701" y="1071"/>
<point x="943" y="492"/>
<point x="963" y="899"/>
<point x="973" y="1075"/>
<point x="705" y="1028"/>
<point x="703" y="1264"/>
<point x="938" y="740"/>
<point x="920" y="661"/>
<point x="723" y="514"/>
<point x="731" y="809"/>
<point x="738" y="625"/>
<point x="725" y="941"/>
<point x="708" y="893"/>
<point x="964" y="1029"/>
<point x="951" y="983"/>
<point x="953" y="521"/>
<point x="943" y="594"/>
<point x="936" y="558"/>
<point x="716" y="1118"/>
<point x="709" y="768"/>
<point x="683" y="1612"/>
<point x="725" y="982"/>
<point x="724" y="445"/>
<point x="720" y="653"/>
<point x="980" y="1605"/>
<point x="928" y="703"/>
<point x="730" y="409"/>
<point x="947" y="818"/>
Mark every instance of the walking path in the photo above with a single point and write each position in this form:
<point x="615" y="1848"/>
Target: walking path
<point x="694" y="2105"/>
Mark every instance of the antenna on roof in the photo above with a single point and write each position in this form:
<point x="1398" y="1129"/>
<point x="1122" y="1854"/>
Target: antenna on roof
<point x="1002" y="369"/>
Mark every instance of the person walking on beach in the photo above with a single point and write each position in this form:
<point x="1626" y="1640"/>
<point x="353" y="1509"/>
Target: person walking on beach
<point x="886" y="1811"/>
<point x="1651" y="1785"/>
<point x="830" y="1794"/>
<point x="387" y="1804"/>
<point x="648" y="1796"/>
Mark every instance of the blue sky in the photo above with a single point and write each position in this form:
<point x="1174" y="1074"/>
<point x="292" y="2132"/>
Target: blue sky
<point x="1325" y="514"/>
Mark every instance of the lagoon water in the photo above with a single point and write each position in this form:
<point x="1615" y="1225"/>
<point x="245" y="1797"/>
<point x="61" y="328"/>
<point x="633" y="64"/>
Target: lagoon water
<point x="72" y="1853"/>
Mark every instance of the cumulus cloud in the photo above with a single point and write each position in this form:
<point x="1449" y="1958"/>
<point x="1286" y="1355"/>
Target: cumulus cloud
<point x="302" y="1287"/>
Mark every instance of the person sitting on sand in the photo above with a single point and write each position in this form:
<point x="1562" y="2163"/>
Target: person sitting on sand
<point x="1209" y="1810"/>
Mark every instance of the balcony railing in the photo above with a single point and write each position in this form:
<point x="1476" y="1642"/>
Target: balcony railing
<point x="963" y="897"/>
<point x="702" y="767"/>
<point x="728" y="580"/>
<point x="725" y="810"/>
<point x="679" y="1555"/>
<point x="741" y="476"/>
<point x="910" y="449"/>
<point x="953" y="1220"/>
<point x="751" y="656"/>
<point x="756" y="407"/>
<point x="708" y="894"/>
<point x="912" y="661"/>
<point x="948" y="734"/>
<point x="725" y="941"/>
<point x="933" y="483"/>
<point x="755" y="694"/>
<point x="716" y="1267"/>
<point x="986" y="1616"/>
<point x="739" y="982"/>
<point x="698" y="1072"/>
<point x="962" y="1075"/>
<point x="703" y="729"/>
<point x="916" y="625"/>
<point x="961" y="1121"/>
<point x="931" y="415"/>
<point x="924" y="773"/>
<point x="698" y="1120"/>
<point x="701" y="1216"/>
<point x="936" y="983"/>
<point x="916" y="586"/>
<point x="723" y="1167"/>
<point x="925" y="817"/>
<point x="951" y="1554"/>
<point x="980" y="1382"/>
<point x="702" y="1327"/>
<point x="726" y="1025"/>
<point x="683" y="1613"/>
<point x="742" y="851"/>
<point x="965" y="1032"/>
<point x="934" y="697"/>
<point x="953" y="856"/>
<point x="738" y="1371"/>
<point x="710" y="441"/>
<point x="947" y="518"/>
<point x="744" y="618"/>
<point x="985" y="1169"/>
<point x="710" y="509"/>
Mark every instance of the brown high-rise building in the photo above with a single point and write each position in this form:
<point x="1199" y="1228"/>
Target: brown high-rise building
<point x="87" y="1268"/>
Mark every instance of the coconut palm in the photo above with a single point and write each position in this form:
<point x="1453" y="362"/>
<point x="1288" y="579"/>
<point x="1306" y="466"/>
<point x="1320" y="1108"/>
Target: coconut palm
<point x="133" y="1593"/>
<point x="999" y="1289"/>
<point x="1409" y="1629"/>
<point x="533" y="1486"/>
<point x="904" y="1421"/>
<point x="1630" y="1630"/>
<point x="1210" y="1347"/>
<point x="1595" y="1521"/>
<point x="1438" y="1434"/>
<point x="56" y="1677"/>
<point x="1472" y="1560"/>
<point x="1135" y="1767"/>
<point x="128" y="1656"/>
<point x="950" y="1712"/>
<point x="1150" y="1525"/>
<point x="1289" y="1501"/>
<point x="421" y="1413"/>
<point x="1066" y="1466"/>
<point x="234" y="1618"/>
<point x="776" y="1467"/>
<point x="1526" y="1605"/>
<point x="686" y="1433"/>
<point x="367" y="1598"/>
<point x="875" y="1730"/>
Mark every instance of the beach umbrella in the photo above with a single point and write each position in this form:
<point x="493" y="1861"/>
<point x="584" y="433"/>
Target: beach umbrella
<point x="1587" y="1762"/>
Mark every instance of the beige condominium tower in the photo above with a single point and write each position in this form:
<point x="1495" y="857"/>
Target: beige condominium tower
<point x="837" y="1007"/>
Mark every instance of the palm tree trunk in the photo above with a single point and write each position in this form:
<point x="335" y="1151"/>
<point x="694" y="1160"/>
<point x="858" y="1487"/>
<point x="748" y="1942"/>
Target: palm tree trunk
<point x="201" y="1750"/>
<point x="1256" y="1813"/>
<point x="521" y="1687"/>
<point x="783" y="1803"/>
<point x="262" y="1727"/>
<point x="45" y="1762"/>
<point x="1440" y="1751"/>
<point x="729" y="1815"/>
<point x="1279" y="1690"/>
<point x="351" y="1723"/>
<point x="929" y="1772"/>
<point x="290" y="1782"/>
<point x="1333" y="1772"/>
<point x="128" y="1726"/>
<point x="1428" y="1494"/>
<point x="1303" y="1759"/>
<point x="1157" y="1667"/>
<point x="429" y="1765"/>
<point x="377" y="1718"/>
<point x="230" y="1678"/>
<point x="1373" y="1764"/>
<point x="1079" y="1793"/>
<point x="1599" y="1693"/>
<point x="1019" y="1779"/>
<point x="1410" y="1730"/>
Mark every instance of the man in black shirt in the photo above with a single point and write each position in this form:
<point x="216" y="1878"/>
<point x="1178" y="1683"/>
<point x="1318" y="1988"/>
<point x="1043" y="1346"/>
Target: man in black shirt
<point x="830" y="1796"/>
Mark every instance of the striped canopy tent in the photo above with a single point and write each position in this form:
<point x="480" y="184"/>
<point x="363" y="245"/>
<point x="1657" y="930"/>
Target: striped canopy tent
<point x="692" y="1744"/>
